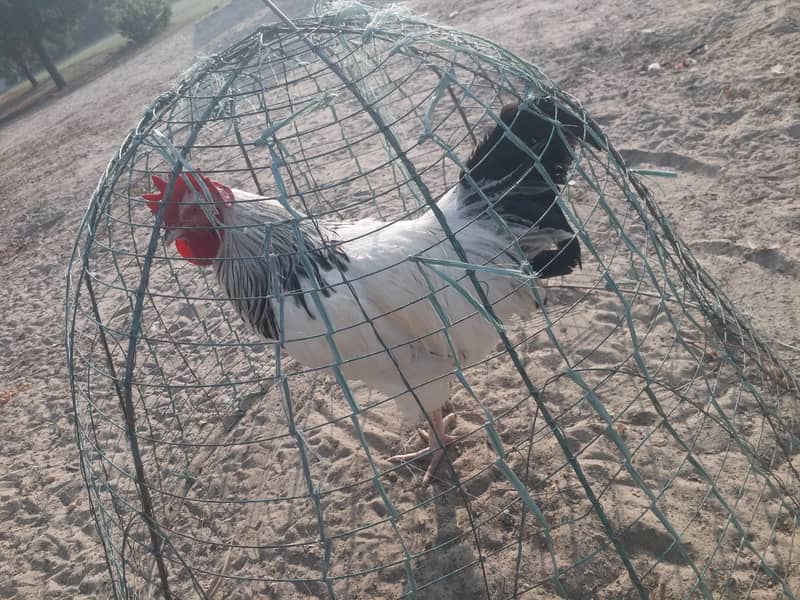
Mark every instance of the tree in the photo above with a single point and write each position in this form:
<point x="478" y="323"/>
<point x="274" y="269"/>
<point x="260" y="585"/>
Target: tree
<point x="14" y="57"/>
<point x="139" y="20"/>
<point x="25" y="70"/>
<point x="36" y="21"/>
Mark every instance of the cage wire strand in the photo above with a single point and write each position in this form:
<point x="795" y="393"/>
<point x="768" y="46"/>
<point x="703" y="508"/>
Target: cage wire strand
<point x="634" y="437"/>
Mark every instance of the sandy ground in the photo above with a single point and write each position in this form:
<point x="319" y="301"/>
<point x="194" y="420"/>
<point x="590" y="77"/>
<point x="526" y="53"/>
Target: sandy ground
<point x="728" y="121"/>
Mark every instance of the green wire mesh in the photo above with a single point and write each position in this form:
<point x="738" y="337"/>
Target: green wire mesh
<point x="635" y="438"/>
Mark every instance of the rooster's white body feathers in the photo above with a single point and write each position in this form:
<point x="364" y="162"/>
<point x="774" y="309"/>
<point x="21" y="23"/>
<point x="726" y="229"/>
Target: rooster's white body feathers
<point x="355" y="296"/>
<point x="381" y="301"/>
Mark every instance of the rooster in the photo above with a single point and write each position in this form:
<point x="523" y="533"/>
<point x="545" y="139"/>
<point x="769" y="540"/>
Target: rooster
<point x="279" y="271"/>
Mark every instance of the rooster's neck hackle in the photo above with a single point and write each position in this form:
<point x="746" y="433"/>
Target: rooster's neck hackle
<point x="267" y="256"/>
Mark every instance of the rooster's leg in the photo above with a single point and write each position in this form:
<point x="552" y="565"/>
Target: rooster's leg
<point x="449" y="422"/>
<point x="437" y="440"/>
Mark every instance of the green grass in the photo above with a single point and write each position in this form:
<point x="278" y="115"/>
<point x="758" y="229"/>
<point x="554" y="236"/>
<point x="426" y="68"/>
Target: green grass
<point x="183" y="13"/>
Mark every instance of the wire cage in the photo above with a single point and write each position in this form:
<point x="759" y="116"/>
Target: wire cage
<point x="633" y="438"/>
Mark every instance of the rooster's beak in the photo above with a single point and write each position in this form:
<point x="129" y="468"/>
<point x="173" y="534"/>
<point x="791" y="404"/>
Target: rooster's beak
<point x="170" y="235"/>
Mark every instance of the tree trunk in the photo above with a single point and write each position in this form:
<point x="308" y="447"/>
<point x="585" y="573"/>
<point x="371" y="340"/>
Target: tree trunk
<point x="25" y="70"/>
<point x="35" y="41"/>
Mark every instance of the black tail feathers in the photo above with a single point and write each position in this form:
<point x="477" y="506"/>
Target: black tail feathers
<point x="498" y="163"/>
<point x="535" y="122"/>
<point x="555" y="263"/>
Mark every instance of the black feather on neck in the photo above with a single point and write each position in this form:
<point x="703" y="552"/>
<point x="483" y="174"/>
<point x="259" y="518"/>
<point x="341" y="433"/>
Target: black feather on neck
<point x="270" y="261"/>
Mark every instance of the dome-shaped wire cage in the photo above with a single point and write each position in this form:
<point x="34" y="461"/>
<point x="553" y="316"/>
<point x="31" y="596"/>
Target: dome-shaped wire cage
<point x="632" y="438"/>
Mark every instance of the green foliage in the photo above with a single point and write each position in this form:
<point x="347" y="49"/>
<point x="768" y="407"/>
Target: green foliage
<point x="139" y="20"/>
<point x="37" y="28"/>
<point x="47" y="16"/>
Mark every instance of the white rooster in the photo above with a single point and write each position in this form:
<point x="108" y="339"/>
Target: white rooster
<point x="279" y="271"/>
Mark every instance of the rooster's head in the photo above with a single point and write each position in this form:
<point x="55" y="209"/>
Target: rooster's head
<point x="186" y="216"/>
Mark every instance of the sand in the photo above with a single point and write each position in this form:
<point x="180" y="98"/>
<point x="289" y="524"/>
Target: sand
<point x="722" y="109"/>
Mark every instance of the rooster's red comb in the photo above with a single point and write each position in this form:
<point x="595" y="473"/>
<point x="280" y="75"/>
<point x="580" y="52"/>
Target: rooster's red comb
<point x="218" y="192"/>
<point x="154" y="200"/>
<point x="178" y="192"/>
